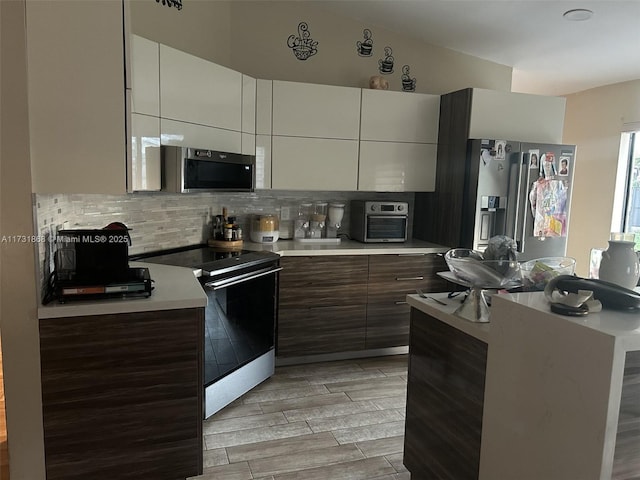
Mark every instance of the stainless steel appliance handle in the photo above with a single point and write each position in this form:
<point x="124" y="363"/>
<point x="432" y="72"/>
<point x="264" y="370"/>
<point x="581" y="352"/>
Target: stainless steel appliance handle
<point x="401" y="279"/>
<point x="521" y="204"/>
<point x="227" y="282"/>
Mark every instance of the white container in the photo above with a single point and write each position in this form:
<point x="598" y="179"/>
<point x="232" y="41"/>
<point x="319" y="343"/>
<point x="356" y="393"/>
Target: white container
<point x="264" y="228"/>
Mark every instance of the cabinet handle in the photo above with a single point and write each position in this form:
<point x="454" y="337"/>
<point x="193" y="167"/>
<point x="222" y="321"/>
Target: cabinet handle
<point x="412" y="254"/>
<point x="400" y="302"/>
<point x="401" y="279"/>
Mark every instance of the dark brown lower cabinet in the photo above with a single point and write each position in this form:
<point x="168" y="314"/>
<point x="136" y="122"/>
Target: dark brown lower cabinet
<point x="122" y="395"/>
<point x="322" y="305"/>
<point x="445" y="397"/>
<point x="391" y="278"/>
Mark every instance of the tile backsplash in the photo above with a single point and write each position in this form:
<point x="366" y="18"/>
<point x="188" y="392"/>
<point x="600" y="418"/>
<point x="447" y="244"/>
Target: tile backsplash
<point x="160" y="220"/>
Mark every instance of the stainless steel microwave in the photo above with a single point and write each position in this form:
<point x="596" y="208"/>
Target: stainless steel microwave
<point x="186" y="170"/>
<point x="373" y="222"/>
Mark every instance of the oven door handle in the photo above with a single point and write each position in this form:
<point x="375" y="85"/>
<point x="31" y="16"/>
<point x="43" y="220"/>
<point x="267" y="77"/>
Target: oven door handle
<point x="245" y="277"/>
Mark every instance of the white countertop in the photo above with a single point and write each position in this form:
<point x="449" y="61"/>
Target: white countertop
<point x="445" y="314"/>
<point x="174" y="288"/>
<point x="288" y="248"/>
<point x="622" y="325"/>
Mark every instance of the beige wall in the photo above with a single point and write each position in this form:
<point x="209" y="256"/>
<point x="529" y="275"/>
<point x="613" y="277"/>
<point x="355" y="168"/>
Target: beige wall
<point x="259" y="36"/>
<point x="202" y="28"/>
<point x="251" y="37"/>
<point x="18" y="303"/>
<point x="593" y="121"/>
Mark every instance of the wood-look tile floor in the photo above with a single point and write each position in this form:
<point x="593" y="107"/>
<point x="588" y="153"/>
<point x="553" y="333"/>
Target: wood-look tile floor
<point x="323" y="421"/>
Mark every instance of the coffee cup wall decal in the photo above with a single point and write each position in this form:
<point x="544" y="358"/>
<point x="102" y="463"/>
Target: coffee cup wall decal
<point x="365" y="47"/>
<point x="385" y="65"/>
<point x="408" y="83"/>
<point x="303" y="45"/>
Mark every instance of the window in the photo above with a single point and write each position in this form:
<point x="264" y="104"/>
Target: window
<point x="626" y="206"/>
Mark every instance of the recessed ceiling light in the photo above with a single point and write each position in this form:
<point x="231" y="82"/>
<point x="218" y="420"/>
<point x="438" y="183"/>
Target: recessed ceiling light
<point x="578" y="14"/>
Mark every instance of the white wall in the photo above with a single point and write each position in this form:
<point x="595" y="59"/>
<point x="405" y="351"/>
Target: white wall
<point x="593" y="121"/>
<point x="18" y="303"/>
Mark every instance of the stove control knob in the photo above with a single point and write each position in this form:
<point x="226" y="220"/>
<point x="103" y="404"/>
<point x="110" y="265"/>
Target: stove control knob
<point x="374" y="208"/>
<point x="400" y="208"/>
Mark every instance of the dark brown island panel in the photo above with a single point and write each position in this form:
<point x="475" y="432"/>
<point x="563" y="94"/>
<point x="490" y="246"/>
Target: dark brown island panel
<point x="445" y="396"/>
<point x="122" y="395"/>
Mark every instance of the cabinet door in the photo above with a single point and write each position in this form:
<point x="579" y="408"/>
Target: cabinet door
<point x="198" y="91"/>
<point x="145" y="152"/>
<point x="145" y="81"/>
<point x="399" y="116"/>
<point x="248" y="115"/>
<point x="391" y="278"/>
<point x="322" y="305"/>
<point x="320" y="111"/>
<point x="524" y="117"/>
<point x="397" y="167"/>
<point x="76" y="88"/>
<point x="199" y="136"/>
<point x="248" y="104"/>
<point x="314" y="164"/>
<point x="264" y="106"/>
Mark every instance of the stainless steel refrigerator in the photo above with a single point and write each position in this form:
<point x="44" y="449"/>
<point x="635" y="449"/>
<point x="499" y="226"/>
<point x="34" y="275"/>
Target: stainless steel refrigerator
<point x="522" y="190"/>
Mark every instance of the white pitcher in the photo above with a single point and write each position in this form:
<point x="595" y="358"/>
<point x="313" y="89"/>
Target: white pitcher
<point x="619" y="264"/>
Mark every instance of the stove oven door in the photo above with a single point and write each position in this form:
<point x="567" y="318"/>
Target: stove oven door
<point x="240" y="324"/>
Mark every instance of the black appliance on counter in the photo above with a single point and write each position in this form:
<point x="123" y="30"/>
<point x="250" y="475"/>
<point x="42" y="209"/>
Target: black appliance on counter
<point x="240" y="317"/>
<point x="93" y="264"/>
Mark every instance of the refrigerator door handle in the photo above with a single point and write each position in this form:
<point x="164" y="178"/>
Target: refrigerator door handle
<point x="521" y="202"/>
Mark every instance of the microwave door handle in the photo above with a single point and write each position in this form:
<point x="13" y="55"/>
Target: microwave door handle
<point x="227" y="282"/>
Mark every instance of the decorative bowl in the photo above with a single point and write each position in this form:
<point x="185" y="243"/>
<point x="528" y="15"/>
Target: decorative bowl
<point x="536" y="273"/>
<point x="470" y="267"/>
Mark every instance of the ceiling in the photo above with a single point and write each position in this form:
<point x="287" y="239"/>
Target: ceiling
<point x="549" y="55"/>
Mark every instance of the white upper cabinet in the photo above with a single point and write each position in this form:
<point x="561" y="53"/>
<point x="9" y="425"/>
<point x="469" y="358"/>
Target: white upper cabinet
<point x="145" y="78"/>
<point x="264" y="106"/>
<point x="145" y="151"/>
<point x="314" y="164"/>
<point x="248" y="104"/>
<point x="516" y="116"/>
<point x="185" y="134"/>
<point x="399" y="116"/>
<point x="397" y="167"/>
<point x="76" y="90"/>
<point x="318" y="111"/>
<point x="198" y="91"/>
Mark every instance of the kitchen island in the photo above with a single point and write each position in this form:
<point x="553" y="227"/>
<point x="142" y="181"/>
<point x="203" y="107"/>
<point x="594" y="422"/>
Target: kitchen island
<point x="122" y="382"/>
<point x="531" y="395"/>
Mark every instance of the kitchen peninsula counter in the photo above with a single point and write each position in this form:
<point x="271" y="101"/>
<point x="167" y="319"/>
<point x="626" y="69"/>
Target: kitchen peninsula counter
<point x="557" y="399"/>
<point x="288" y="248"/>
<point x="122" y="382"/>
<point x="174" y="288"/>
